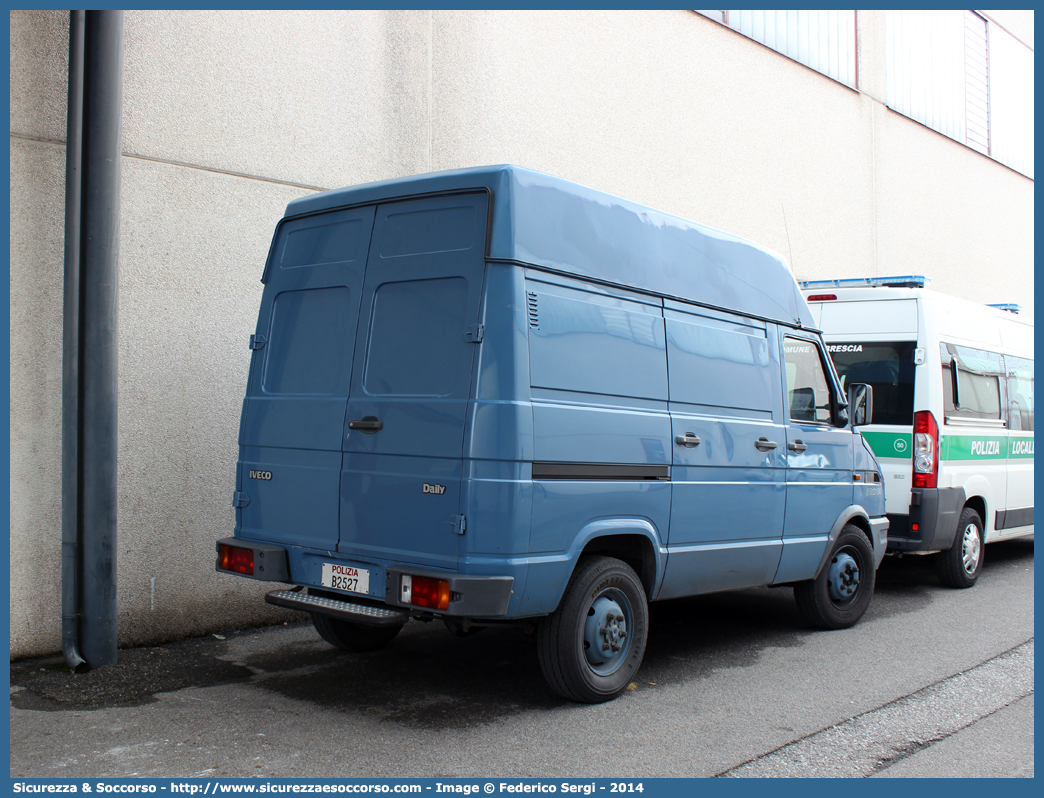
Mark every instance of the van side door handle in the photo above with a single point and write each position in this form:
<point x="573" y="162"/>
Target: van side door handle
<point x="688" y="440"/>
<point x="369" y="424"/>
<point x="797" y="446"/>
<point x="764" y="444"/>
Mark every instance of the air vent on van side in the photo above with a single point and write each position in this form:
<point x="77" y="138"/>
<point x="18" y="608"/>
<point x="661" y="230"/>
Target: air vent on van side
<point x="534" y="317"/>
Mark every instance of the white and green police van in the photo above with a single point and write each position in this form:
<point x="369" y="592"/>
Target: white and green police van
<point x="952" y="412"/>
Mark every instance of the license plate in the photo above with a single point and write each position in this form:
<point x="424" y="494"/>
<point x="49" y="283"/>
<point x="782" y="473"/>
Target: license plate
<point x="345" y="577"/>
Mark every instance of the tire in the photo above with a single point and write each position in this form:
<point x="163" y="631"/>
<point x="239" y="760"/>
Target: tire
<point x="593" y="644"/>
<point x="839" y="596"/>
<point x="961" y="565"/>
<point x="355" y="637"/>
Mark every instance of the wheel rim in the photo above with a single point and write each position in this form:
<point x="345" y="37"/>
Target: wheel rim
<point x="971" y="549"/>
<point x="606" y="640"/>
<point x="844" y="576"/>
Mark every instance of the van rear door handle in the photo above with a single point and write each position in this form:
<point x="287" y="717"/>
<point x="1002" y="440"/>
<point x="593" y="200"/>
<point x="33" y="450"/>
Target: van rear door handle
<point x="688" y="440"/>
<point x="764" y="444"/>
<point x="797" y="446"/>
<point x="369" y="425"/>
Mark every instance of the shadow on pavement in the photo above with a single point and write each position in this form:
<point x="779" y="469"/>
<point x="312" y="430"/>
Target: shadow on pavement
<point x="428" y="678"/>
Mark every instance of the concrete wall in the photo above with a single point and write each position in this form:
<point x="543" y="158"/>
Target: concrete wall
<point x="229" y="115"/>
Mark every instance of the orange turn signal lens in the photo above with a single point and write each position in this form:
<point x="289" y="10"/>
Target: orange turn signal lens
<point x="236" y="559"/>
<point x="433" y="593"/>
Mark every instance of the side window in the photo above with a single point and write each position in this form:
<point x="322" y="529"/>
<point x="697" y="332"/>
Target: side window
<point x="1020" y="392"/>
<point x="971" y="382"/>
<point x="808" y="390"/>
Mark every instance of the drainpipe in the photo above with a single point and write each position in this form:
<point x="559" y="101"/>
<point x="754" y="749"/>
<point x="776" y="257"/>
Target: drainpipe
<point x="70" y="351"/>
<point x="89" y="391"/>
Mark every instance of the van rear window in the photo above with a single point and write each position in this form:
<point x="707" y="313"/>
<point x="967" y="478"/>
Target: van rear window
<point x="416" y="342"/>
<point x="887" y="367"/>
<point x="311" y="342"/>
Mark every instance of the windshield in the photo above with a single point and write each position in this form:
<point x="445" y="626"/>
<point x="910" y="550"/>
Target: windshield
<point x="888" y="368"/>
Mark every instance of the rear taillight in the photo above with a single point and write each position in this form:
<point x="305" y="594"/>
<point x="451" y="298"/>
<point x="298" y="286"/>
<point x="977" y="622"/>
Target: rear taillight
<point x="236" y="559"/>
<point x="822" y="297"/>
<point x="925" y="450"/>
<point x="422" y="591"/>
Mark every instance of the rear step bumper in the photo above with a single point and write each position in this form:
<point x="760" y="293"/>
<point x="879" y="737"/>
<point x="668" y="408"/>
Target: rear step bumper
<point x="337" y="608"/>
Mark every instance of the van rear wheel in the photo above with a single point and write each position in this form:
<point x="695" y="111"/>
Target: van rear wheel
<point x="839" y="596"/>
<point x="592" y="645"/>
<point x="350" y="636"/>
<point x="961" y="565"/>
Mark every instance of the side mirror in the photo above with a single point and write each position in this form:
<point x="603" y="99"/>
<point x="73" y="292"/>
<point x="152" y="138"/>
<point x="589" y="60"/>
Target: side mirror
<point x="861" y="403"/>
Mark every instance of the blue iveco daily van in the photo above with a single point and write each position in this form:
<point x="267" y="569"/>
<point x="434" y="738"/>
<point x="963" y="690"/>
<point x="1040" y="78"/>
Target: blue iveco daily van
<point x="490" y="395"/>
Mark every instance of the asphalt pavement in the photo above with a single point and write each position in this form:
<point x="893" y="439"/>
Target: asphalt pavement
<point x="932" y="683"/>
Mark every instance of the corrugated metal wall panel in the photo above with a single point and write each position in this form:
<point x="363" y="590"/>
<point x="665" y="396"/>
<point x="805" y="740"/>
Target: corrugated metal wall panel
<point x="976" y="82"/>
<point x="965" y="77"/>
<point x="925" y="68"/>
<point x="953" y="71"/>
<point x="1011" y="101"/>
<point x="821" y="40"/>
<point x="717" y="16"/>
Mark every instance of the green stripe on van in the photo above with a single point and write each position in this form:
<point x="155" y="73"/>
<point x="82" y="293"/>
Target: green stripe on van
<point x="953" y="447"/>
<point x="1020" y="448"/>
<point x="889" y="444"/>
<point x="973" y="447"/>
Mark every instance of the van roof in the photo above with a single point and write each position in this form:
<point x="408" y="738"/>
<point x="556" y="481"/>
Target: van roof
<point x="564" y="227"/>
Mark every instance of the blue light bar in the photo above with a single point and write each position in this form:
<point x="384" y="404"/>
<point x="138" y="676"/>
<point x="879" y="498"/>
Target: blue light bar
<point x="1011" y="307"/>
<point x="907" y="281"/>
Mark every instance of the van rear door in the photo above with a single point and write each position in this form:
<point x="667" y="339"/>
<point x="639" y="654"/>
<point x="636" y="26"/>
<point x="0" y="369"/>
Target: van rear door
<point x="411" y="380"/>
<point x="293" y="414"/>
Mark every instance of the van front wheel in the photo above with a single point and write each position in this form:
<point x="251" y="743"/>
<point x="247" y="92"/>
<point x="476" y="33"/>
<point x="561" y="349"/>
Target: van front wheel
<point x="839" y="596"/>
<point x="350" y="636"/>
<point x="960" y="566"/>
<point x="592" y="645"/>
